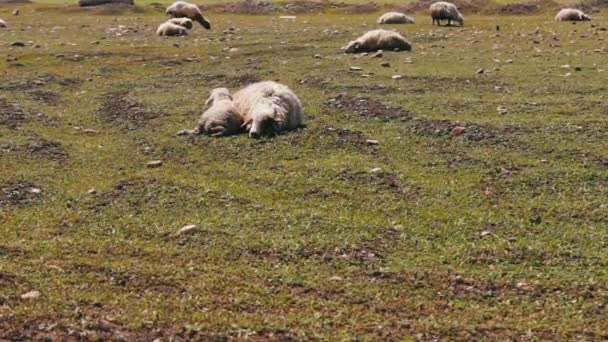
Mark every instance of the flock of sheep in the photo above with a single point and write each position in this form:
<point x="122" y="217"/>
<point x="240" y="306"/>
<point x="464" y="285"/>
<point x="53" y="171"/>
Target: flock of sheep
<point x="269" y="107"/>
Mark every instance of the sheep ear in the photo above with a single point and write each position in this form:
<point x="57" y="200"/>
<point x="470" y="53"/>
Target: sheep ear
<point x="209" y="101"/>
<point x="244" y="125"/>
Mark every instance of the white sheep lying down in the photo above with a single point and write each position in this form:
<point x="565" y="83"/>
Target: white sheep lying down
<point x="2" y="23"/>
<point x="221" y="117"/>
<point x="571" y="14"/>
<point x="378" y="40"/>
<point x="170" y="29"/>
<point x="183" y="22"/>
<point x="445" y="11"/>
<point x="182" y="9"/>
<point x="268" y="107"/>
<point x="395" y="18"/>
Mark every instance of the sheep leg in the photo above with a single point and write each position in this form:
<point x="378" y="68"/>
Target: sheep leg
<point x="216" y="131"/>
<point x="195" y="131"/>
<point x="203" y="21"/>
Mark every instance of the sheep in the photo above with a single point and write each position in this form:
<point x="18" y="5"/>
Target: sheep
<point x="378" y="40"/>
<point x="2" y="23"/>
<point x="184" y="22"/>
<point x="182" y="9"/>
<point x="220" y="118"/>
<point x="395" y="18"/>
<point x="170" y="29"/>
<point x="268" y="106"/>
<point x="445" y="11"/>
<point x="571" y="14"/>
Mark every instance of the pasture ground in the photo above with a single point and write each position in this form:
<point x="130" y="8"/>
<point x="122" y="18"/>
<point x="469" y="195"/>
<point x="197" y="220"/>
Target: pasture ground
<point x="498" y="232"/>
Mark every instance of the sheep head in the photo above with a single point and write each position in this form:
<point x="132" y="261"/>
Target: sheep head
<point x="267" y="118"/>
<point x="353" y="46"/>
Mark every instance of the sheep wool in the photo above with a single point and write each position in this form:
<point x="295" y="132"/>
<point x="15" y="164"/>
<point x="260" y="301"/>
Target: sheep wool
<point x="378" y="40"/>
<point x="445" y="11"/>
<point x="395" y="18"/>
<point x="170" y="29"/>
<point x="182" y="9"/>
<point x="183" y="22"/>
<point x="221" y="117"/>
<point x="571" y="14"/>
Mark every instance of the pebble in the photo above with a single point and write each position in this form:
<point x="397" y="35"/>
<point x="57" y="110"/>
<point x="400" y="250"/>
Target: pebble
<point x="458" y="130"/>
<point x="372" y="142"/>
<point x="375" y="170"/>
<point x="189" y="229"/>
<point x="386" y="64"/>
<point x="15" y="12"/>
<point x="17" y="44"/>
<point x="155" y="163"/>
<point x="354" y="68"/>
<point x="480" y="71"/>
<point x="317" y="56"/>
<point x="31" y="295"/>
<point x="378" y="54"/>
<point x="396" y="77"/>
<point x="502" y="109"/>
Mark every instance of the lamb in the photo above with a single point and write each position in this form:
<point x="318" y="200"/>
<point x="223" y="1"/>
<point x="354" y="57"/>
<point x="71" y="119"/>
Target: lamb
<point x="2" y="23"/>
<point x="268" y="107"/>
<point x="395" y="18"/>
<point x="184" y="22"/>
<point x="182" y="9"/>
<point x="170" y="29"/>
<point x="445" y="11"/>
<point x="571" y="14"/>
<point x="378" y="40"/>
<point x="221" y="117"/>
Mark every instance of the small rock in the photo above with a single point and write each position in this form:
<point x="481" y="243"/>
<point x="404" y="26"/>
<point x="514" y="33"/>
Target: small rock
<point x="378" y="54"/>
<point x="480" y="71"/>
<point x="155" y="163"/>
<point x="354" y="68"/>
<point x="396" y="77"/>
<point x="17" y="44"/>
<point x="317" y="56"/>
<point x="578" y="69"/>
<point x="458" y="130"/>
<point x="335" y="278"/>
<point x="565" y="66"/>
<point x="375" y="170"/>
<point x="35" y="191"/>
<point x="502" y="109"/>
<point x="544" y="161"/>
<point x="484" y="233"/>
<point x="233" y="49"/>
<point x="509" y="61"/>
<point x="31" y="295"/>
<point x="386" y="64"/>
<point x="372" y="142"/>
<point x="15" y="12"/>
<point x="90" y="131"/>
<point x="189" y="229"/>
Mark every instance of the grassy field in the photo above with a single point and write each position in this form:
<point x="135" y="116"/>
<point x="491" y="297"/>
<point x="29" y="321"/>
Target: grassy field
<point x="500" y="232"/>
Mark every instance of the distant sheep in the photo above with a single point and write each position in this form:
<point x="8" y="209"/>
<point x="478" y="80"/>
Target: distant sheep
<point x="445" y="11"/>
<point x="571" y="14"/>
<point x="268" y="106"/>
<point x="170" y="29"/>
<point x="395" y="18"/>
<point x="182" y="9"/>
<point x="2" y="23"/>
<point x="184" y="22"/>
<point x="378" y="40"/>
<point x="221" y="117"/>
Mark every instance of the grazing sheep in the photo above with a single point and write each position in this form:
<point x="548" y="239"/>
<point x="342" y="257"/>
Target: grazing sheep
<point x="221" y="117"/>
<point x="268" y="107"/>
<point x="2" y="23"/>
<point x="571" y="14"/>
<point x="445" y="11"/>
<point x="378" y="40"/>
<point x="170" y="29"/>
<point x="184" y="22"/>
<point x="182" y="9"/>
<point x="395" y="18"/>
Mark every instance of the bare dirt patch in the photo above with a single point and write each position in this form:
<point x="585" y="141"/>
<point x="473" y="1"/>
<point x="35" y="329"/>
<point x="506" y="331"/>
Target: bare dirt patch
<point x="526" y="8"/>
<point x="39" y="81"/>
<point x="37" y="147"/>
<point x="370" y="109"/>
<point x="47" y="97"/>
<point x="18" y="193"/>
<point x="117" y="109"/>
<point x="11" y="115"/>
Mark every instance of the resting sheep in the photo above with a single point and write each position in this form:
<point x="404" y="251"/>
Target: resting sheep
<point x="170" y="29"/>
<point x="2" y="23"/>
<point x="378" y="40"/>
<point x="395" y="18"/>
<point x="182" y="9"/>
<point x="571" y="14"/>
<point x="268" y="107"/>
<point x="183" y="22"/>
<point x="221" y="117"/>
<point x="445" y="11"/>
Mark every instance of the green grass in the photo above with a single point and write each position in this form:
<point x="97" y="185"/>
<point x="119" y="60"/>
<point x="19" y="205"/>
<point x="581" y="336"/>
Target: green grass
<point x="498" y="233"/>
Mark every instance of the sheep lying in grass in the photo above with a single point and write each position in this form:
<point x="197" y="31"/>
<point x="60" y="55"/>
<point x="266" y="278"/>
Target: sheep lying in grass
<point x="571" y="14"/>
<point x="2" y="23"/>
<point x="184" y="22"/>
<point x="378" y="40"/>
<point x="170" y="29"/>
<point x="395" y="18"/>
<point x="268" y="107"/>
<point x="221" y="117"/>
<point x="182" y="9"/>
<point x="445" y="11"/>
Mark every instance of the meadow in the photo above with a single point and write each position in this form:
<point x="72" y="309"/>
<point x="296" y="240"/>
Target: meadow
<point x="458" y="191"/>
